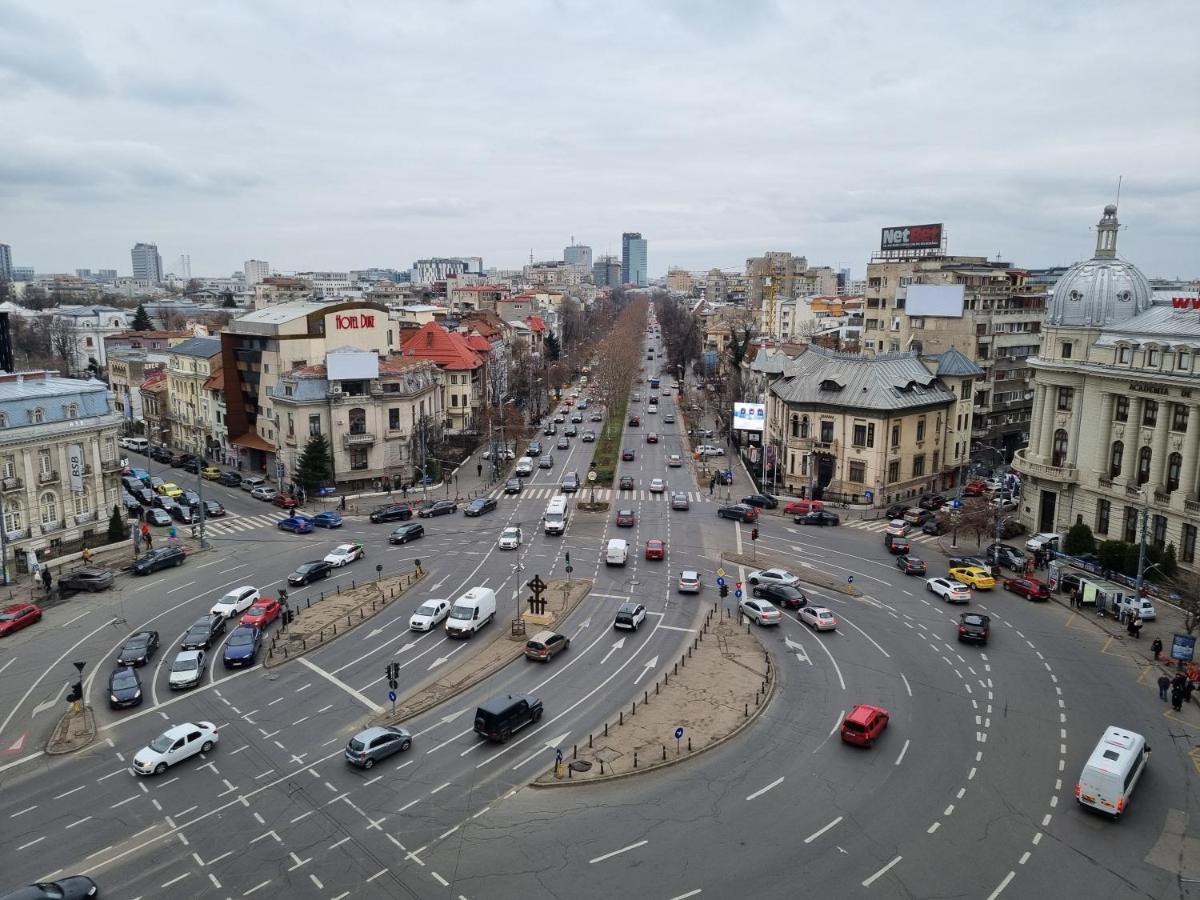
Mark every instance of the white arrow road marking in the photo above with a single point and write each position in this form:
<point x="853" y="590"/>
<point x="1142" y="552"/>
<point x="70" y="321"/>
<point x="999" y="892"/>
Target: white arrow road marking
<point x="441" y="659"/>
<point x="444" y="720"/>
<point x="551" y="744"/>
<point x="337" y="682"/>
<point x="648" y="666"/>
<point x="615" y="647"/>
<point x="53" y="701"/>
<point x="801" y="653"/>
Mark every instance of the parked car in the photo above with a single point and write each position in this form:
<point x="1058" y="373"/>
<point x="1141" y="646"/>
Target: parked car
<point x="437" y="508"/>
<point x="285" y="501"/>
<point x="155" y="516"/>
<point x="184" y="515"/>
<point x="911" y="565"/>
<point x="933" y="527"/>
<point x="738" y="511"/>
<point x="210" y="473"/>
<point x="376" y="743"/>
<point x="307" y="573"/>
<point x="917" y="516"/>
<point x="479" y="506"/>
<point x="398" y="512"/>
<point x="785" y="596"/>
<point x="974" y="627"/>
<point x="177" y="743"/>
<point x="158" y="558"/>
<point x="406" y="533"/>
<point x="1007" y="556"/>
<point x="86" y="578"/>
<point x="139" y="648"/>
<point x="931" y="501"/>
<point x="16" y="616"/>
<point x="545" y="644"/>
<point x="762" y="501"/>
<point x="1029" y="588"/>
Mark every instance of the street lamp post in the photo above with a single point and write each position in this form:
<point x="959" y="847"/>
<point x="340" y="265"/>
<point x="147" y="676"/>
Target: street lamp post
<point x="1141" y="566"/>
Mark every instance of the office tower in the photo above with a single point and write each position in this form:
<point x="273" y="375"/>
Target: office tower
<point x="578" y="255"/>
<point x="147" y="263"/>
<point x="256" y="270"/>
<point x="606" y="272"/>
<point x="6" y="263"/>
<point x="633" y="259"/>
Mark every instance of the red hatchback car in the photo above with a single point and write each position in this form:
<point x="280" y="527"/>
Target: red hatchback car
<point x="285" y="501"/>
<point x="974" y="489"/>
<point x="864" y="724"/>
<point x="655" y="549"/>
<point x="802" y="507"/>
<point x="15" y="617"/>
<point x="264" y="611"/>
<point x="1029" y="588"/>
<point x="626" y="518"/>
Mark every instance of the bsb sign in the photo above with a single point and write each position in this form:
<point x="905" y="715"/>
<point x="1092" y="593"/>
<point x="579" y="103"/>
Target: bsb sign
<point x="360" y="320"/>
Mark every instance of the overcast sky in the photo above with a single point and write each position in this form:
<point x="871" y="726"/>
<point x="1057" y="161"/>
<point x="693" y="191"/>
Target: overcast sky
<point x="338" y="135"/>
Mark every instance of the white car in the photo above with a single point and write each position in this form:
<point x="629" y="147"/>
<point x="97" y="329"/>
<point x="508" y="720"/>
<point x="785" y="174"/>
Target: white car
<point x="235" y="601"/>
<point x="773" y="576"/>
<point x="174" y="745"/>
<point x="502" y="454"/>
<point x="510" y="538"/>
<point x="949" y="590"/>
<point x="760" y="611"/>
<point x="710" y="450"/>
<point x="689" y="582"/>
<point x="657" y="485"/>
<point x="652" y="409"/>
<point x="344" y="554"/>
<point x="897" y="527"/>
<point x="429" y="615"/>
<point x="187" y="669"/>
<point x="818" y="617"/>
<point x="674" y="461"/>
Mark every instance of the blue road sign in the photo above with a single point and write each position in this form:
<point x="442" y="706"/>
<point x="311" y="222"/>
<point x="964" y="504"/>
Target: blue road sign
<point x="738" y="593"/>
<point x="392" y="696"/>
<point x="849" y="579"/>
<point x="720" y="582"/>
<point x="955" y="504"/>
<point x="679" y="732"/>
<point x="869" y="495"/>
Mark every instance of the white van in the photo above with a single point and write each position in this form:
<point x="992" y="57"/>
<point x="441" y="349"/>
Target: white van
<point x="471" y="611"/>
<point x="1043" y="540"/>
<point x="555" y="519"/>
<point x="137" y="444"/>
<point x="1112" y="771"/>
<point x="617" y="552"/>
<point x="524" y="467"/>
<point x="1142" y="606"/>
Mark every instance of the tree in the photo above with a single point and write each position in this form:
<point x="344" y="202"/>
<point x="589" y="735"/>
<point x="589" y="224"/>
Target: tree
<point x="1187" y="596"/>
<point x="1112" y="554"/>
<point x="227" y="300"/>
<point x="1079" y="540"/>
<point x="315" y="464"/>
<point x="553" y="348"/>
<point x="141" y="320"/>
<point x="117" y="529"/>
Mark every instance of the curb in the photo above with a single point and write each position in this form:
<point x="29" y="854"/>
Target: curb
<point x="64" y="724"/>
<point x="807" y="574"/>
<point x="567" y="782"/>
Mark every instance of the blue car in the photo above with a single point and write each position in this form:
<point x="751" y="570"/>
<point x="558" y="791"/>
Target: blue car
<point x="329" y="519"/>
<point x="296" y="524"/>
<point x="141" y="475"/>
<point x="242" y="646"/>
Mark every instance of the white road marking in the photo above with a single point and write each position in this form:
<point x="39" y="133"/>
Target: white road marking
<point x="903" y="750"/>
<point x="334" y="680"/>
<point x="778" y="781"/>
<point x="816" y="834"/>
<point x="882" y="871"/>
<point x="619" y="852"/>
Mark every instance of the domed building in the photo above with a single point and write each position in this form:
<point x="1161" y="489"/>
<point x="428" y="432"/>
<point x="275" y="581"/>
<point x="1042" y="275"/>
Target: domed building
<point x="1115" y="432"/>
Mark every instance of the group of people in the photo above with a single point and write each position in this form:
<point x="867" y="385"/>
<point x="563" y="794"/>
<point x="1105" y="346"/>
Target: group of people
<point x="1180" y="688"/>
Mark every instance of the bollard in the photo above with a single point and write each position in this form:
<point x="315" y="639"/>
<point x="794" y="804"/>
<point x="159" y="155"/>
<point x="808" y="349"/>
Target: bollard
<point x="645" y="697"/>
<point x="285" y="652"/>
<point x="656" y="689"/>
<point x="352" y="584"/>
<point x="575" y="752"/>
<point x="606" y="729"/>
<point x="635" y="759"/>
<point x="271" y="653"/>
<point x="589" y="742"/>
<point x="689" y="743"/>
<point x="689" y="652"/>
<point x="304" y="643"/>
<point x="570" y="773"/>
<point x="634" y="711"/>
<point x="747" y="710"/>
<point x="321" y="636"/>
<point x="339" y="587"/>
<point x="676" y="668"/>
<point x="393" y="592"/>
<point x="664" y="746"/>
<point x="347" y="621"/>
<point x="307" y="602"/>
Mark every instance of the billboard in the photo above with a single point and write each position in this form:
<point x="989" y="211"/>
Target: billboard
<point x="749" y="416"/>
<point x="911" y="237"/>
<point x="934" y="300"/>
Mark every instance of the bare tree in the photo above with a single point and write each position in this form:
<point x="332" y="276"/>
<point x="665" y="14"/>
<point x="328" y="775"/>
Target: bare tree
<point x="1187" y="586"/>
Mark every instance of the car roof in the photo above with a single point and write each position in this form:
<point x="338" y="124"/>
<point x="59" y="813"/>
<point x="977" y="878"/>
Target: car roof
<point x="372" y="732"/>
<point x="543" y="636"/>
<point x="630" y="606"/>
<point x="178" y="731"/>
<point x="689" y="573"/>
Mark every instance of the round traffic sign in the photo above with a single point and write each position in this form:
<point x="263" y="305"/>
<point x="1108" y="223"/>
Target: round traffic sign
<point x="720" y="582"/>
<point x="849" y="579"/>
<point x="570" y="569"/>
<point x="721" y="571"/>
<point x="738" y="593"/>
<point x="592" y="475"/>
<point x="392" y="696"/>
<point x="679" y="732"/>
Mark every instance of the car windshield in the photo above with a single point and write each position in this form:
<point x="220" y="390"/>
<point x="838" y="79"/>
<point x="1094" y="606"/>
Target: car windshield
<point x="241" y="638"/>
<point x="356" y="745"/>
<point x="124" y="679"/>
<point x="162" y="743"/>
<point x="185" y="664"/>
<point x="307" y="567"/>
<point x="427" y="609"/>
<point x="258" y="609"/>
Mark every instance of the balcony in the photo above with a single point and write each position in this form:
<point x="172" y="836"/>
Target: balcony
<point x="1163" y="497"/>
<point x="11" y="484"/>
<point x="362" y="439"/>
<point x="85" y="517"/>
<point x="111" y="465"/>
<point x="1061" y="474"/>
<point x="47" y="477"/>
<point x="814" y="445"/>
<point x="1132" y="490"/>
<point x="1192" y="506"/>
<point x="17" y="534"/>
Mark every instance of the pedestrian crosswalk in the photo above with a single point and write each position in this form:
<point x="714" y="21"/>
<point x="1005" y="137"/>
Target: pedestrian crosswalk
<point x="233" y="524"/>
<point x="585" y="493"/>
<point x="879" y="526"/>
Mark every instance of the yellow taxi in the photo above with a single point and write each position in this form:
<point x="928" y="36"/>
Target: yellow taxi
<point x="974" y="576"/>
<point x="210" y="473"/>
<point x="170" y="489"/>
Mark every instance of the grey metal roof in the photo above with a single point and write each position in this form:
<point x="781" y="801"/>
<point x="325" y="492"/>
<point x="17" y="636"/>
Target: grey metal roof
<point x="205" y="347"/>
<point x="883" y="383"/>
<point x="952" y="363"/>
<point x="770" y="361"/>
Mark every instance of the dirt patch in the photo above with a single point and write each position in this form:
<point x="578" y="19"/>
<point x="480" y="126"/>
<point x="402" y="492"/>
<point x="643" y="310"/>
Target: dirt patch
<point x="505" y="644"/>
<point x="74" y="731"/>
<point x="803" y="571"/>
<point x="712" y="692"/>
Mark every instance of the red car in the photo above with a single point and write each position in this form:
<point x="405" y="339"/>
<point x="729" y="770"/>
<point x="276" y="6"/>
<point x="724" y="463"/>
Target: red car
<point x="801" y="507"/>
<point x="285" y="501"/>
<point x="864" y="724"/>
<point x="1029" y="588"/>
<point x="655" y="549"/>
<point x="626" y="518"/>
<point x="15" y="617"/>
<point x="974" y="489"/>
<point x="264" y="611"/>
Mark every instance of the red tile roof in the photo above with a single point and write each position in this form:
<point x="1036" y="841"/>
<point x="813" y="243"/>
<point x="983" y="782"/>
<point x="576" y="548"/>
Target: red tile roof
<point x="216" y="382"/>
<point x="535" y="323"/>
<point x="477" y="342"/>
<point x="449" y="350"/>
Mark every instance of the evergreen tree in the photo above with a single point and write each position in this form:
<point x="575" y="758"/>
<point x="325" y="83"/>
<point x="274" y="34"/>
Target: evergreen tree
<point x="1079" y="540"/>
<point x="141" y="320"/>
<point x="553" y="349"/>
<point x="315" y="464"/>
<point x="227" y="301"/>
<point x="117" y="530"/>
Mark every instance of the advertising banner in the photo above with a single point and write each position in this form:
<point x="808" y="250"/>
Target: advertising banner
<point x="75" y="465"/>
<point x="749" y="416"/>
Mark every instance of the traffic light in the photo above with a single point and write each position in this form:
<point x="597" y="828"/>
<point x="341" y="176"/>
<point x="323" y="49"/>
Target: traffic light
<point x="724" y="590"/>
<point x="568" y="557"/>
<point x="754" y="534"/>
<point x="76" y="692"/>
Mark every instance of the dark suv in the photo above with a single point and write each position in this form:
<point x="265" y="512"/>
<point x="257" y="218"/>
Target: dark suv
<point x="739" y="511"/>
<point x="160" y="558"/>
<point x="782" y="595"/>
<point x="497" y="718"/>
<point x="974" y="627"/>
<point x="397" y="513"/>
<point x="86" y="578"/>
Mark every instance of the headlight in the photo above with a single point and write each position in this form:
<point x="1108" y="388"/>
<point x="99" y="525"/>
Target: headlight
<point x="114" y="699"/>
<point x="137" y="693"/>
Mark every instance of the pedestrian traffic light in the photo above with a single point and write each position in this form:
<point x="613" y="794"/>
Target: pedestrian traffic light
<point x="754" y="535"/>
<point x="724" y="590"/>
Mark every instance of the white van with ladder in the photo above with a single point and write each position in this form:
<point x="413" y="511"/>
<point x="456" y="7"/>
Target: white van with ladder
<point x="555" y="519"/>
<point x="1112" y="771"/>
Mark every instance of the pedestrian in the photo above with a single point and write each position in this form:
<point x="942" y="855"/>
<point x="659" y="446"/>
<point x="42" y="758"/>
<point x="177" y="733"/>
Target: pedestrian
<point x="172" y="536"/>
<point x="46" y="580"/>
<point x="479" y="470"/>
<point x="86" y="554"/>
<point x="1164" y="685"/>
<point x="342" y="503"/>
<point x="146" y="538"/>
<point x="389" y="487"/>
<point x="1135" y="626"/>
<point x="417" y="564"/>
<point x="1177" y="699"/>
<point x="1156" y="647"/>
<point x="712" y="483"/>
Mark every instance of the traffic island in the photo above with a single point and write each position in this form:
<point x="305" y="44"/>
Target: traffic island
<point x="74" y="731"/>
<point x="317" y="622"/>
<point x="502" y="647"/>
<point x="801" y="570"/>
<point x="716" y="688"/>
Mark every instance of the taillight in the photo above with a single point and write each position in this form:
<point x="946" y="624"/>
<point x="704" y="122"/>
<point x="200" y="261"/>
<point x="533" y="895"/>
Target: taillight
<point x="962" y="629"/>
<point x="1078" y="789"/>
<point x="1121" y="805"/>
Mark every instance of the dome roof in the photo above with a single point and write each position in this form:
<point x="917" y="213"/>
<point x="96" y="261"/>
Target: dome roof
<point x="1103" y="290"/>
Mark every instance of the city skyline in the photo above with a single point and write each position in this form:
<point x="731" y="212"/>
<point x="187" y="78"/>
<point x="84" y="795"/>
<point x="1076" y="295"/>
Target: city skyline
<point x="128" y="137"/>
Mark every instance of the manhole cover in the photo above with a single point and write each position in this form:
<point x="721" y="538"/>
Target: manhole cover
<point x="581" y="765"/>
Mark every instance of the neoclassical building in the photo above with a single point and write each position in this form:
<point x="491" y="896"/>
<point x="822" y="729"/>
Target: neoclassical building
<point x="1115" y="428"/>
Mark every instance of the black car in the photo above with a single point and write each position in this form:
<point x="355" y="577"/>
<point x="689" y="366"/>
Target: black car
<point x="73" y="887"/>
<point x="132" y="484"/>
<point x="144" y="496"/>
<point x="133" y="506"/>
<point x="934" y="527"/>
<point x="911" y="565"/>
<point x="138" y="649"/>
<point x="550" y="430"/>
<point x="966" y="562"/>
<point x="86" y="578"/>
<point x="817" y="517"/>
<point x="512" y="486"/>
<point x="160" y="454"/>
<point x="213" y="509"/>
<point x="479" y="506"/>
<point x="534" y="449"/>
<point x="230" y="479"/>
<point x="896" y="511"/>
<point x="406" y="533"/>
<point x="124" y="688"/>
<point x="762" y="501"/>
<point x="1069" y="582"/>
<point x="738" y="511"/>
<point x="308" y="572"/>
<point x="188" y="498"/>
<point x="156" y="516"/>
<point x="193" y="465"/>
<point x="203" y="633"/>
<point x="932" y="502"/>
<point x="159" y="558"/>
<point x="183" y="514"/>
<point x="974" y="627"/>
<point x="626" y="483"/>
<point x="782" y="595"/>
<point x="176" y="460"/>
<point x="1006" y="556"/>
<point x="399" y="512"/>
<point x="437" y="508"/>
<point x="627" y="455"/>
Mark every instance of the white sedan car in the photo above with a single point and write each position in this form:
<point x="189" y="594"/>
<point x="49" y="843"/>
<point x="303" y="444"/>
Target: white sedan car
<point x="657" y="485"/>
<point x="510" y="538"/>
<point x="949" y="590"/>
<point x="235" y="601"/>
<point x="760" y="611"/>
<point x="429" y="615"/>
<point x="773" y="576"/>
<point x="174" y="745"/>
<point x="818" y="617"/>
<point x="344" y="554"/>
<point x="897" y="527"/>
<point x="689" y="582"/>
<point x="674" y="461"/>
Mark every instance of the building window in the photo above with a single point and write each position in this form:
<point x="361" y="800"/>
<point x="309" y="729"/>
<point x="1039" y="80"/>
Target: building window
<point x="965" y="388"/>
<point x="826" y="432"/>
<point x="454" y="399"/>
<point x="1152" y="357"/>
<point x="49" y="504"/>
<point x="1179" y="417"/>
<point x="804" y="426"/>
<point x="1130" y="529"/>
<point x="918" y="465"/>
<point x="1066" y="397"/>
<point x="920" y="429"/>
<point x="858" y="472"/>
<point x="1183" y="361"/>
<point x="72" y="410"/>
<point x="893" y="473"/>
<point x="1103" y="511"/>
<point x="860" y="435"/>
<point x="1066" y="350"/>
<point x="394" y="418"/>
<point x="81" y="504"/>
<point x="871" y="434"/>
<point x="1149" y="413"/>
<point x="1187" y="552"/>
<point x="1174" y="464"/>
<point x="895" y="436"/>
<point x="9" y="468"/>
<point x="1059" y="457"/>
<point x="44" y="467"/>
<point x="1121" y="412"/>
<point x="291" y="426"/>
<point x="314" y="425"/>
<point x="110" y="449"/>
<point x="1143" y="465"/>
<point x="3" y="420"/>
<point x="38" y="415"/>
<point x="795" y="426"/>
<point x="358" y="420"/>
<point x="1123" y="354"/>
<point x="358" y="458"/>
<point x="13" y="520"/>
<point x="804" y="465"/>
<point x="1116" y="459"/>
<point x="1158" y="525"/>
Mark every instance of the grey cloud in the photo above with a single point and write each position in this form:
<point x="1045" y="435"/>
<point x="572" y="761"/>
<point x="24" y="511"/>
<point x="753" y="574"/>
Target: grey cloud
<point x="37" y="52"/>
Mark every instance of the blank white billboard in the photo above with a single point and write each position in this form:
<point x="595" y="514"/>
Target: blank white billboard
<point x="351" y="365"/>
<point x="935" y="300"/>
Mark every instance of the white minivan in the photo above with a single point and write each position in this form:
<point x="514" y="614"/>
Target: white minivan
<point x="471" y="611"/>
<point x="137" y="444"/>
<point x="524" y="467"/>
<point x="1112" y="771"/>
<point x="617" y="552"/>
<point x="554" y="521"/>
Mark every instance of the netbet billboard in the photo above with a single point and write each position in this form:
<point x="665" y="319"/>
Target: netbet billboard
<point x="749" y="416"/>
<point x="911" y="237"/>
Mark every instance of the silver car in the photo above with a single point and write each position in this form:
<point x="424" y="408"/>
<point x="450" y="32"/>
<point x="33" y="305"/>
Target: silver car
<point x="378" y="742"/>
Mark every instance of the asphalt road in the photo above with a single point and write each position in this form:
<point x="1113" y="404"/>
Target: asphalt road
<point x="968" y="793"/>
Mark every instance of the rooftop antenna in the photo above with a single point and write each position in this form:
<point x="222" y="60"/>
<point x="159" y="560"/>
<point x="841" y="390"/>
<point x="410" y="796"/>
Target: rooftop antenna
<point x="1120" y="178"/>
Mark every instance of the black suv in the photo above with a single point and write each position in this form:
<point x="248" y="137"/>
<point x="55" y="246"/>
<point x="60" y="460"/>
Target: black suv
<point x="86" y="578"/>
<point x="974" y="627"/>
<point x="160" y="454"/>
<point x="782" y="595"/>
<point x="203" y="633"/>
<point x="738" y="511"/>
<point x="499" y="717"/>
<point x="1006" y="556"/>
<point x="230" y="479"/>
<point x="931" y="502"/>
<point x="534" y="449"/>
<point x="157" y="559"/>
<point x="437" y="508"/>
<point x="406" y="533"/>
<point x="762" y="501"/>
<point x="479" y="506"/>
<point x="400" y="512"/>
